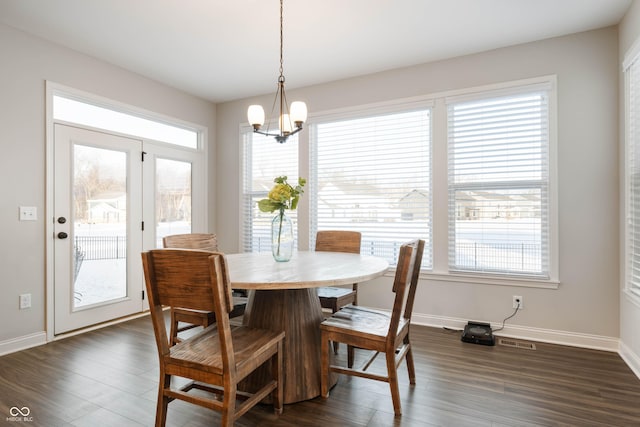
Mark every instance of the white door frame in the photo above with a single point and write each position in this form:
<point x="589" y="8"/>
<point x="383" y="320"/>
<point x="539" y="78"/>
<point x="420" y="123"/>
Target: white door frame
<point x="199" y="189"/>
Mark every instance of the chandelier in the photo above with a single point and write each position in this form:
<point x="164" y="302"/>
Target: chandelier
<point x="290" y="120"/>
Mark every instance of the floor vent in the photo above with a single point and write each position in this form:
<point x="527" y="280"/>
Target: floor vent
<point x="516" y="344"/>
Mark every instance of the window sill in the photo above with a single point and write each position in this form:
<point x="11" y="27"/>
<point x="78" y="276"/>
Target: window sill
<point x="524" y="282"/>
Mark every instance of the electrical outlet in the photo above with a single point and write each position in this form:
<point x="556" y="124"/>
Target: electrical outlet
<point x="518" y="302"/>
<point x="25" y="301"/>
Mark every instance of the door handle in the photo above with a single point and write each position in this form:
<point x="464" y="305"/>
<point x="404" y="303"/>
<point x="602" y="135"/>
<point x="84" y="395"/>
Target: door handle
<point x="62" y="235"/>
<point x="62" y="220"/>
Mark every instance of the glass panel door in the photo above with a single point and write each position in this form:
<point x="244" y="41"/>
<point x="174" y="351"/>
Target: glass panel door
<point x="98" y="237"/>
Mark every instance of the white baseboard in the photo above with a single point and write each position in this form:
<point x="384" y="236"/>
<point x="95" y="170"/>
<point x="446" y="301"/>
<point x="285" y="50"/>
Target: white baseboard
<point x="630" y="358"/>
<point x="22" y="343"/>
<point x="573" y="339"/>
<point x="39" y="338"/>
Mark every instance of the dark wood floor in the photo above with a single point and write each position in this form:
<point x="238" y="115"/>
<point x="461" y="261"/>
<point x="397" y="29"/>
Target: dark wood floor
<point x="108" y="377"/>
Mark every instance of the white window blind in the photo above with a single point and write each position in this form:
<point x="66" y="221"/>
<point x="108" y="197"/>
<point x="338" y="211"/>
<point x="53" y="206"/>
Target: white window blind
<point x="633" y="176"/>
<point x="373" y="175"/>
<point x="264" y="160"/>
<point x="499" y="182"/>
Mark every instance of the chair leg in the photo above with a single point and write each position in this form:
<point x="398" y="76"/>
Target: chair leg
<point x="324" y="364"/>
<point x="410" y="366"/>
<point x="393" y="382"/>
<point x="334" y="309"/>
<point x="355" y="296"/>
<point x="350" y="356"/>
<point x="276" y="369"/>
<point x="228" y="407"/>
<point x="163" y="401"/>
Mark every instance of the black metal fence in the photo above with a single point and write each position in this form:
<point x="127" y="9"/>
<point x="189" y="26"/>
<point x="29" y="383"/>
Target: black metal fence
<point x="101" y="247"/>
<point x="515" y="257"/>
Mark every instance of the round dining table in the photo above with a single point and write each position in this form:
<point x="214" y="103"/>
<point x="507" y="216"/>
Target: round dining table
<point x="284" y="297"/>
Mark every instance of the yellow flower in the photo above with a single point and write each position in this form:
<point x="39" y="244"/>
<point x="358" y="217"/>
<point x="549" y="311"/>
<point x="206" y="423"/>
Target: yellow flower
<point x="282" y="196"/>
<point x="280" y="193"/>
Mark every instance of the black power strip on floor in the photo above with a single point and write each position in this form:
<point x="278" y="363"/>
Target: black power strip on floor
<point x="478" y="333"/>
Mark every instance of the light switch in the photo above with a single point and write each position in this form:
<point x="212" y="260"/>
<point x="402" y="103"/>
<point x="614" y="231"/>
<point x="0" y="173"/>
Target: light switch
<point x="28" y="213"/>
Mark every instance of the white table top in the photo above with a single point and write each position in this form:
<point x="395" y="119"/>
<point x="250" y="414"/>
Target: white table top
<point x="306" y="269"/>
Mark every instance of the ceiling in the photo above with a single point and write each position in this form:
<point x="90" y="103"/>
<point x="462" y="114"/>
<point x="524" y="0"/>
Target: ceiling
<point x="222" y="50"/>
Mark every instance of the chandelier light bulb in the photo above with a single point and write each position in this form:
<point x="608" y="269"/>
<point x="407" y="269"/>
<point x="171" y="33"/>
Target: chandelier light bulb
<point x="255" y="114"/>
<point x="298" y="112"/>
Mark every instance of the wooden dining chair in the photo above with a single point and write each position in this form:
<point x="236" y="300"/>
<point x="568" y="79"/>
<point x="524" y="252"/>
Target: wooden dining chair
<point x="181" y="318"/>
<point x="334" y="298"/>
<point x="217" y="358"/>
<point x="379" y="331"/>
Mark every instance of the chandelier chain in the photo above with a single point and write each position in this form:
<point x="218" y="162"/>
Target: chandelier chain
<point x="289" y="123"/>
<point x="281" y="40"/>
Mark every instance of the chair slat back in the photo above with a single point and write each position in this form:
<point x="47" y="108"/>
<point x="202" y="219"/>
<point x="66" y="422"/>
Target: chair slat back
<point x="202" y="241"/>
<point x="223" y="306"/>
<point x="183" y="278"/>
<point x="338" y="241"/>
<point x="415" y="277"/>
<point x="404" y="283"/>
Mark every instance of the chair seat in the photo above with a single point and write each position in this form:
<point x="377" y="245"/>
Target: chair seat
<point x="239" y="306"/>
<point x="331" y="292"/>
<point x="195" y="316"/>
<point x="365" y="323"/>
<point x="334" y="298"/>
<point x="203" y="352"/>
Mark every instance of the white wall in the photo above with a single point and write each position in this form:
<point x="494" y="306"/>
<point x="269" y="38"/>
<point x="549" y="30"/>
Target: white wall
<point x="584" y="310"/>
<point x="629" y="31"/>
<point x="25" y="65"/>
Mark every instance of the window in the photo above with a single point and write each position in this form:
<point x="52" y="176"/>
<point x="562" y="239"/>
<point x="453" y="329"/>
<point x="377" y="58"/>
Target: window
<point x="172" y="151"/>
<point x="498" y="167"/>
<point x="632" y="170"/>
<point x="73" y="111"/>
<point x="472" y="172"/>
<point x="264" y="160"/>
<point x="373" y="174"/>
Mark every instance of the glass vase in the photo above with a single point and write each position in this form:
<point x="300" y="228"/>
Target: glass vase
<point x="282" y="237"/>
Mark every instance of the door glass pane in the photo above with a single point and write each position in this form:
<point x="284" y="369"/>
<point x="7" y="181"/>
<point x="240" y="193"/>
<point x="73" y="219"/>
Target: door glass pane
<point x="100" y="225"/>
<point x="173" y="198"/>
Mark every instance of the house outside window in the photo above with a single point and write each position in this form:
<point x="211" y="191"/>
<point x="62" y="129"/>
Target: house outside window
<point x="372" y="174"/>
